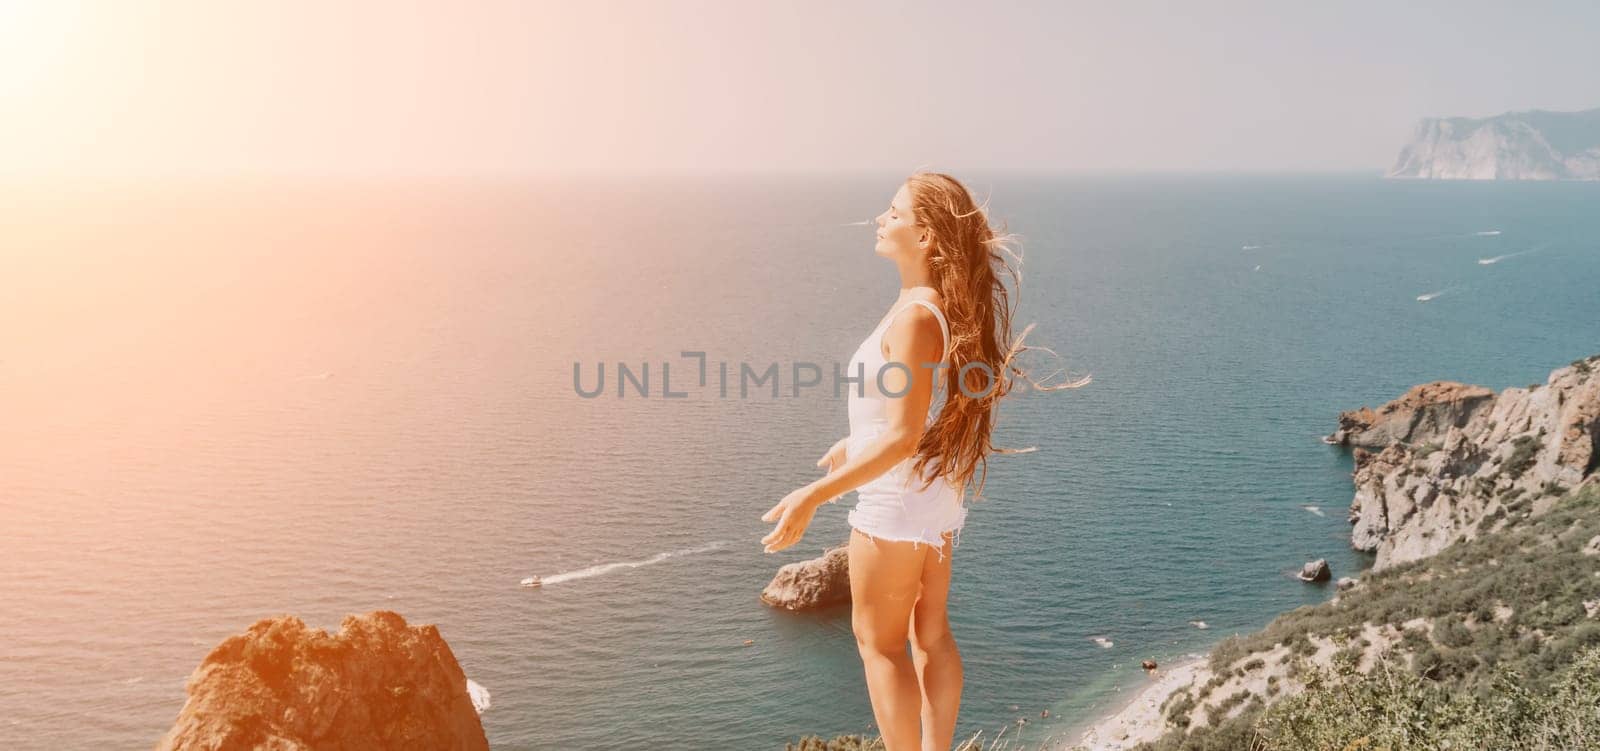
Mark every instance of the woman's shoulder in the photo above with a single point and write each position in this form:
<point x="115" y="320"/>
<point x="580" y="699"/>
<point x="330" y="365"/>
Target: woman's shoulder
<point x="931" y="296"/>
<point x="921" y="315"/>
<point x="934" y="299"/>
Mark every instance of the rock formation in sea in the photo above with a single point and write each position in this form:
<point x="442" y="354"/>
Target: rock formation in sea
<point x="1447" y="460"/>
<point x="1534" y="145"/>
<point x="378" y="683"/>
<point x="816" y="583"/>
<point x="1315" y="571"/>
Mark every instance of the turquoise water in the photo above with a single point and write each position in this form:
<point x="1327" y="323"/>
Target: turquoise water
<point x="231" y="403"/>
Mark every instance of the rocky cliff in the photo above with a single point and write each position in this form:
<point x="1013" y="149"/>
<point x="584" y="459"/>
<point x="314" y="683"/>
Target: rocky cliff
<point x="1448" y="461"/>
<point x="1535" y="145"/>
<point x="378" y="683"/>
<point x="1514" y="608"/>
<point x="1484" y="512"/>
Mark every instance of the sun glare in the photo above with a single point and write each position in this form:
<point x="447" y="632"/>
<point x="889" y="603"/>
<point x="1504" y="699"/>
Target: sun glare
<point x="36" y="41"/>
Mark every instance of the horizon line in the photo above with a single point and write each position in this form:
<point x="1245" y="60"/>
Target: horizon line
<point x="647" y="173"/>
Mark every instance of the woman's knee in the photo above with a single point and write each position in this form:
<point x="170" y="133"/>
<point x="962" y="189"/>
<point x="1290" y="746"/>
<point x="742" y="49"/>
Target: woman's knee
<point x="873" y="640"/>
<point x="931" y="635"/>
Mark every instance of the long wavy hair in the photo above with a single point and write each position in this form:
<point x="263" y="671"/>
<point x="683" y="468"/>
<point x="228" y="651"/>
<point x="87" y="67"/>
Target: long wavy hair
<point x="968" y="260"/>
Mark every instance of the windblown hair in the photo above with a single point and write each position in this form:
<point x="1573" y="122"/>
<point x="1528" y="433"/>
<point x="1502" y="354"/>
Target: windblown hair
<point x="968" y="259"/>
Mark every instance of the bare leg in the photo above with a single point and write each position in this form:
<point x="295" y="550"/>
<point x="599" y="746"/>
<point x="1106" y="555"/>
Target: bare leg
<point x="885" y="577"/>
<point x="933" y="650"/>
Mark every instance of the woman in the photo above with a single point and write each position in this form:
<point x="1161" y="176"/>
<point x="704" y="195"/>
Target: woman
<point x="944" y="333"/>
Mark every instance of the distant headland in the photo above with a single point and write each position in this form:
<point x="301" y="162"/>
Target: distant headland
<point x="1533" y="145"/>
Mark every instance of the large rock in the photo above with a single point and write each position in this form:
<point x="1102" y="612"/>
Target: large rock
<point x="1449" y="461"/>
<point x="1316" y="571"/>
<point x="378" y="683"/>
<point x="816" y="583"/>
<point x="1535" y="145"/>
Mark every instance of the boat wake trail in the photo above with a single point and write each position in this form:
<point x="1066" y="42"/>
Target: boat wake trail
<point x="1497" y="259"/>
<point x="1451" y="290"/>
<point x="606" y="568"/>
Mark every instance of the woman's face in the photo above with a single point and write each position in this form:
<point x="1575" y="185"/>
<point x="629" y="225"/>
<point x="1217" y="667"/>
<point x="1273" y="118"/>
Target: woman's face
<point x="898" y="233"/>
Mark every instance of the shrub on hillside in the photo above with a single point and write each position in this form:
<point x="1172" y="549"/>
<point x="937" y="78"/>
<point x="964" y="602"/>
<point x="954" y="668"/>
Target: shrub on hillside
<point x="1392" y="707"/>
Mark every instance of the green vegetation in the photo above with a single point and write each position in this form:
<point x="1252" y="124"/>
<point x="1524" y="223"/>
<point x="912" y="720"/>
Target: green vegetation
<point x="1501" y="648"/>
<point x="1523" y="451"/>
<point x="839" y="743"/>
<point x="864" y="743"/>
<point x="1178" y="713"/>
<point x="1391" y="707"/>
<point x="1226" y="653"/>
<point x="1227" y="705"/>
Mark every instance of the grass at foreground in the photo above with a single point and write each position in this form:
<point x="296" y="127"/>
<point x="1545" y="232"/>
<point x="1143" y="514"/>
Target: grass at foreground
<point x="863" y="743"/>
<point x="1391" y="707"/>
<point x="1510" y="661"/>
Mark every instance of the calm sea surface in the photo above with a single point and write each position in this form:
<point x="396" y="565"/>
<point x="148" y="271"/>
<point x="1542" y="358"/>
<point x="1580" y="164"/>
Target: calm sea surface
<point x="222" y="403"/>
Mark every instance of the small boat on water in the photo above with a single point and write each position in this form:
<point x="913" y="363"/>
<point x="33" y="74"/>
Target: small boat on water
<point x="532" y="581"/>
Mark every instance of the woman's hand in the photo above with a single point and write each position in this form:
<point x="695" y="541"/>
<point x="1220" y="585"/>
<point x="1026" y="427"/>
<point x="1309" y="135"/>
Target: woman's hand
<point x="835" y="456"/>
<point x="793" y="514"/>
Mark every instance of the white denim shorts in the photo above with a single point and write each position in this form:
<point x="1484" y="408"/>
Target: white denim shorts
<point x="893" y="508"/>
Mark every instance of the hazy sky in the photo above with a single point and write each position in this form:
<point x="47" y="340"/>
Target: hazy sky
<point x="128" y="87"/>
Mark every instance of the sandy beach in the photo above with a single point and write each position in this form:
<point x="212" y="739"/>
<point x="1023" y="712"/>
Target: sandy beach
<point x="1140" y="720"/>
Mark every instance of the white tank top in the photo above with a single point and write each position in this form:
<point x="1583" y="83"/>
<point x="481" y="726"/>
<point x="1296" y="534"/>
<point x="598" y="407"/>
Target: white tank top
<point x="868" y="409"/>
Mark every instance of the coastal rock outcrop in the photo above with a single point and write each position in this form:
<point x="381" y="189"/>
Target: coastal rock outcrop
<point x="816" y="583"/>
<point x="378" y="683"/>
<point x="1447" y="460"/>
<point x="1315" y="571"/>
<point x="1534" y="145"/>
<point x="1425" y="410"/>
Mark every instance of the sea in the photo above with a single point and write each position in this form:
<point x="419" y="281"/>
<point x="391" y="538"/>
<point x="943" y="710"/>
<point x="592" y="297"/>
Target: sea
<point x="228" y="399"/>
